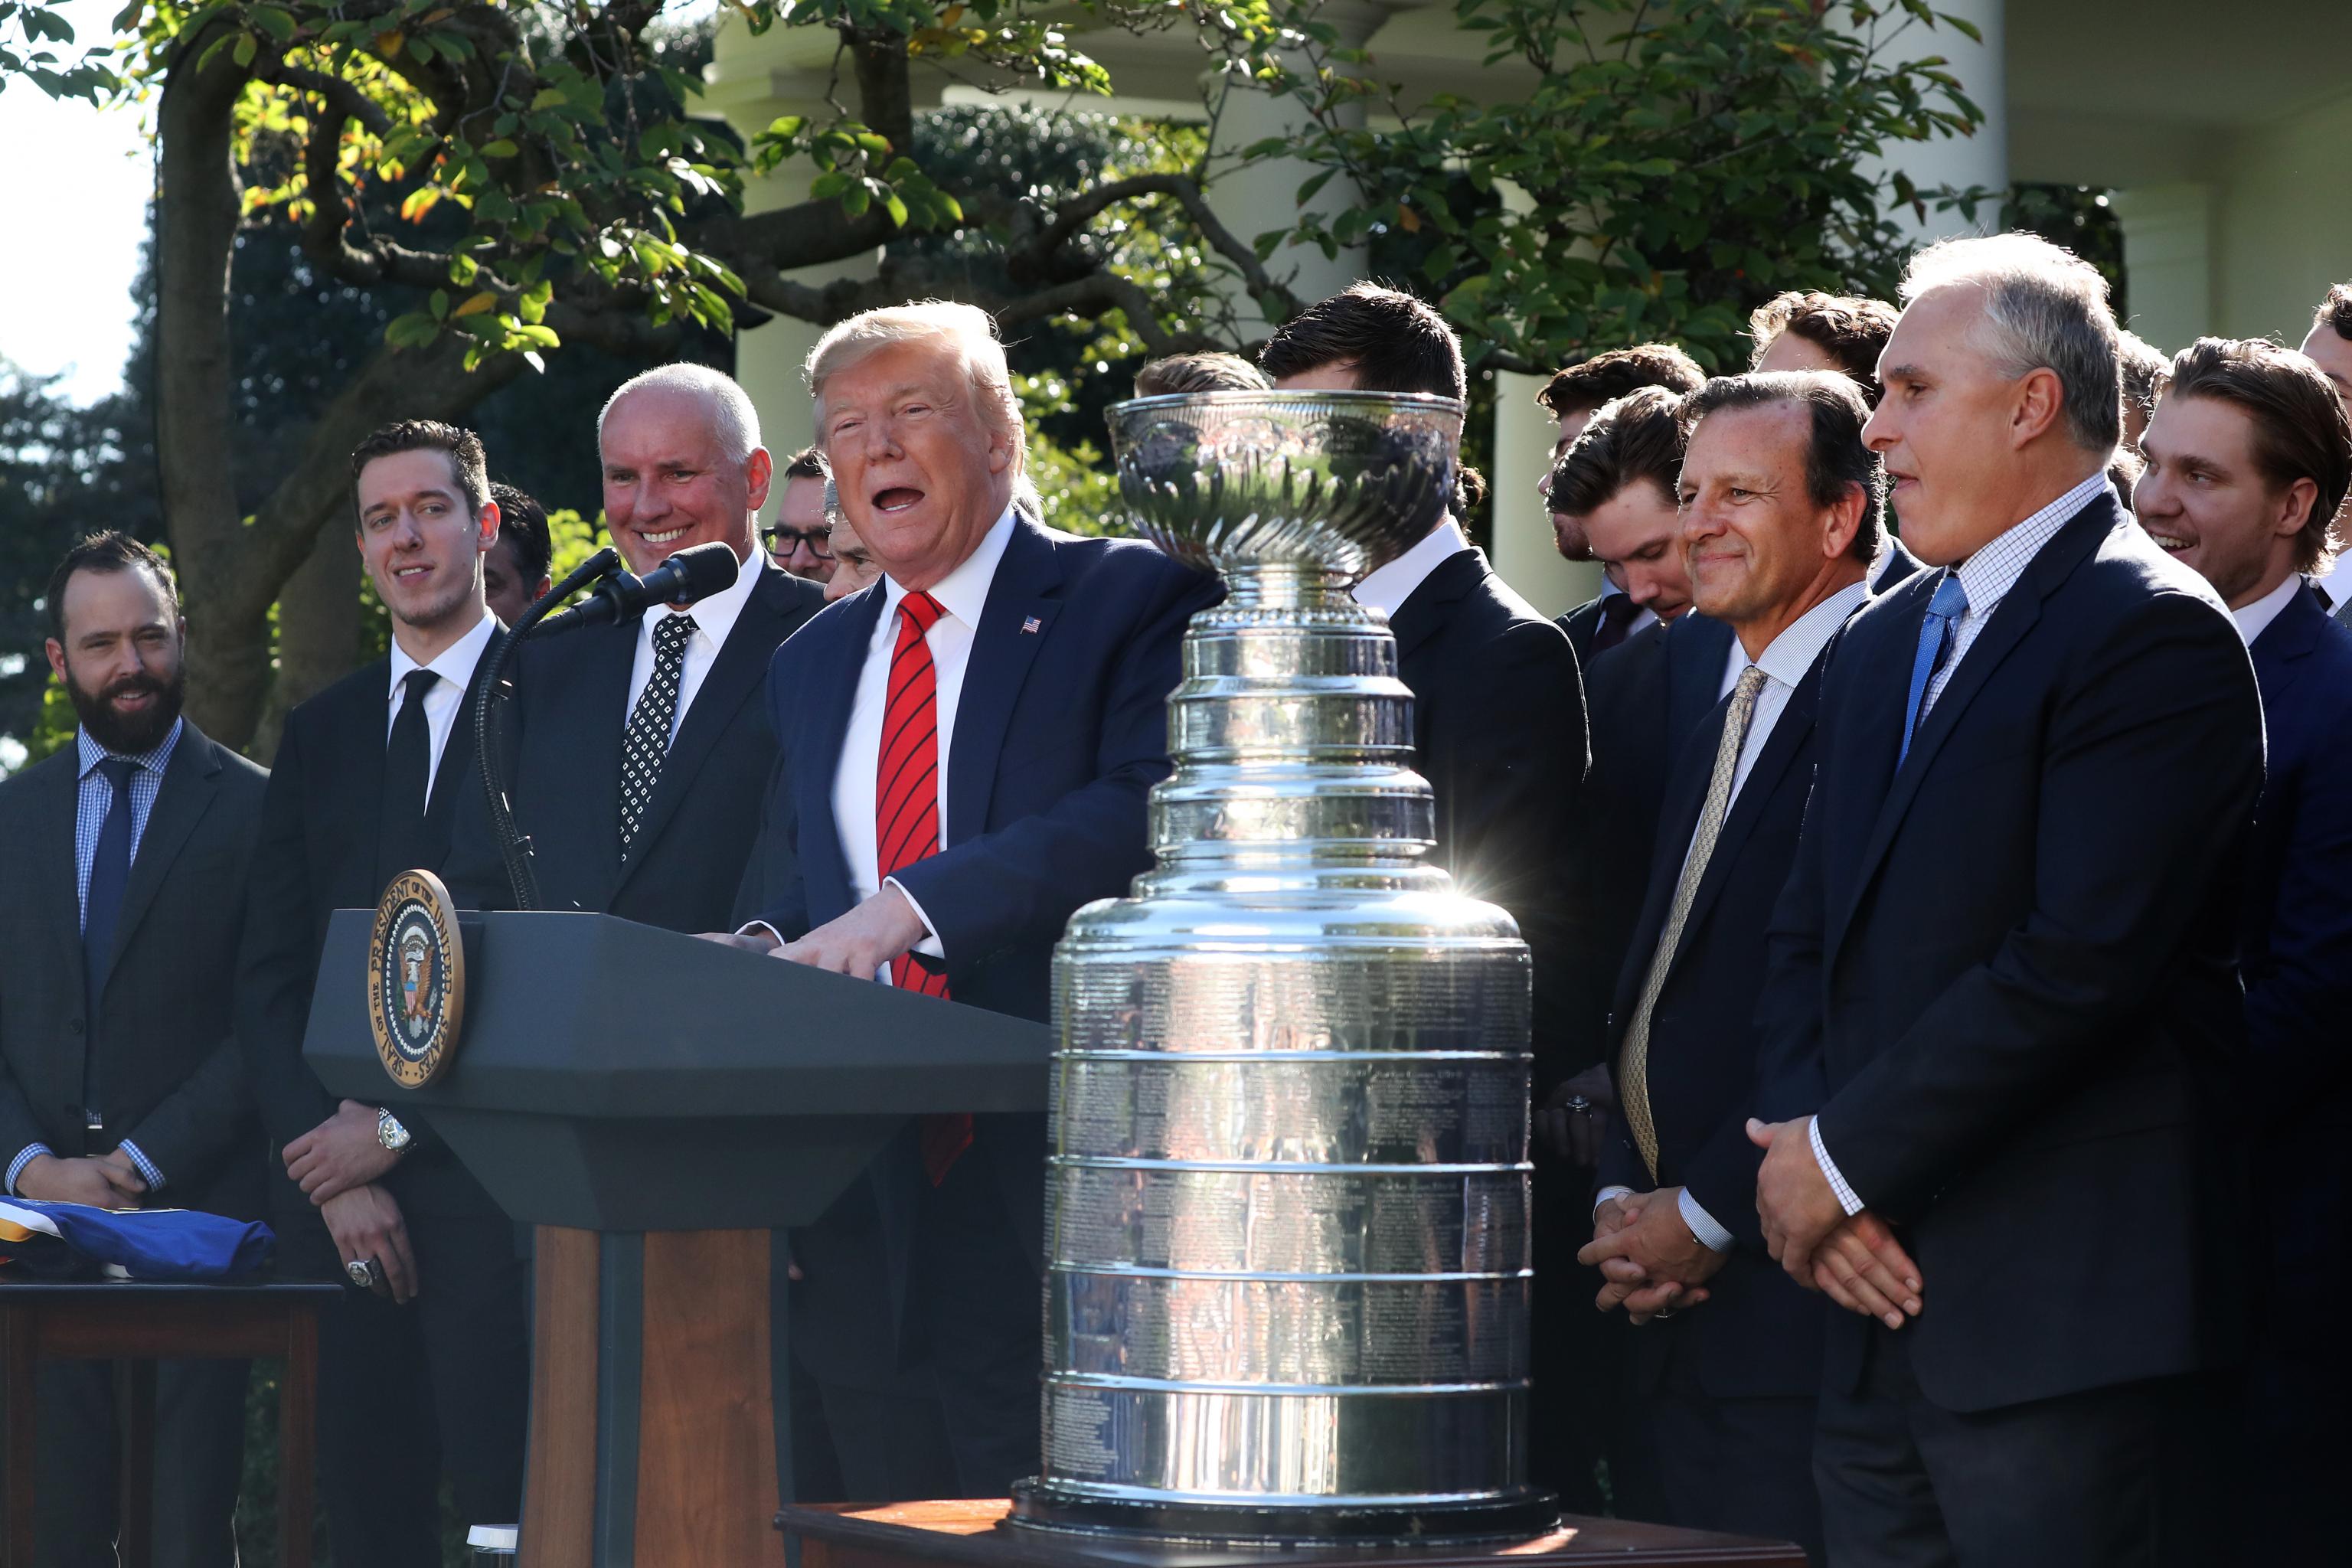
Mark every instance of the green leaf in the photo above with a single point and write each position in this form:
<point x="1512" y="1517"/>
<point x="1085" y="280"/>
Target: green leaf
<point x="247" y="45"/>
<point x="277" y="24"/>
<point x="412" y="330"/>
<point x="501" y="148"/>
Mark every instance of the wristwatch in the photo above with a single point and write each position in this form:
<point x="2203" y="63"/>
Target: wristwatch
<point x="390" y="1132"/>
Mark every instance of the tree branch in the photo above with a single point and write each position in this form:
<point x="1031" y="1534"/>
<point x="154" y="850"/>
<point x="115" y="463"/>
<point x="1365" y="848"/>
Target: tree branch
<point x="1076" y="213"/>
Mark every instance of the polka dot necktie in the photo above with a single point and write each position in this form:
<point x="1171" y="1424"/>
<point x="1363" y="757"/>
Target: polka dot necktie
<point x="906" y="821"/>
<point x="648" y="742"/>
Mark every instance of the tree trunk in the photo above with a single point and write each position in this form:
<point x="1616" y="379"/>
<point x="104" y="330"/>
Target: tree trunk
<point x="318" y="628"/>
<point x="195" y="231"/>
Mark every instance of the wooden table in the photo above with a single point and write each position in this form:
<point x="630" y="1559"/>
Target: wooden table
<point x="136" y="1323"/>
<point x="924" y="1534"/>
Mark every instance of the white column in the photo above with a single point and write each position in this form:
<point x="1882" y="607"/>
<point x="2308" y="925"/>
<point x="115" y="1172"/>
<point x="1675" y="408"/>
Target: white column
<point x="1249" y="199"/>
<point x="1959" y="162"/>
<point x="2168" y="261"/>
<point x="1525" y="553"/>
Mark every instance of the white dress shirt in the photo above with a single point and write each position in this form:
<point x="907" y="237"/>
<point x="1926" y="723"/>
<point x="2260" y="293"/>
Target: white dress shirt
<point x="455" y="665"/>
<point x="1387" y="587"/>
<point x="2255" y="619"/>
<point x="1986" y="578"/>
<point x="963" y="594"/>
<point x="1784" y="661"/>
<point x="714" y="618"/>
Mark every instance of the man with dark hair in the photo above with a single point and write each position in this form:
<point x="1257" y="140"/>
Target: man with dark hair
<point x="1781" y="516"/>
<point x="416" y="1382"/>
<point x="2001" y="1025"/>
<point x="1198" y="373"/>
<point x="1572" y="397"/>
<point x="1807" y="330"/>
<point x="2138" y="364"/>
<point x="797" y="539"/>
<point x="515" y="572"/>
<point x="1616" y="485"/>
<point x="2249" y="457"/>
<point x="2328" y="344"/>
<point x="125" y="857"/>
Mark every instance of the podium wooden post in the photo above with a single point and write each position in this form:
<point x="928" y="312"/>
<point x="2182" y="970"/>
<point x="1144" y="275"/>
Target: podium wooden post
<point x="654" y="1105"/>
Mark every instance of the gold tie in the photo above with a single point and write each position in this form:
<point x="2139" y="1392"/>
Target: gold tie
<point x="1633" y="1065"/>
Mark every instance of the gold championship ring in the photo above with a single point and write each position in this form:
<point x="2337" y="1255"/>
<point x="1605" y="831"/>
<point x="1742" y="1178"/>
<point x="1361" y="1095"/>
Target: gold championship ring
<point x="416" y="979"/>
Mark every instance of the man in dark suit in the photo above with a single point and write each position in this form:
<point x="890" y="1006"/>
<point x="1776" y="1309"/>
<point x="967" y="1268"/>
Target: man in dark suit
<point x="2249" y="455"/>
<point x="414" y="1383"/>
<point x="641" y="749"/>
<point x="125" y="857"/>
<point x="964" y="751"/>
<point x="2001" y="1018"/>
<point x="1780" y="510"/>
<point x="1499" y="725"/>
<point x="1572" y="397"/>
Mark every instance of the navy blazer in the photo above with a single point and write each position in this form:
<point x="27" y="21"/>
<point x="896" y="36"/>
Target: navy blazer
<point x="1060" y="733"/>
<point x="2004" y="974"/>
<point x="316" y="853"/>
<point x="1759" y="1334"/>
<point x="571" y="714"/>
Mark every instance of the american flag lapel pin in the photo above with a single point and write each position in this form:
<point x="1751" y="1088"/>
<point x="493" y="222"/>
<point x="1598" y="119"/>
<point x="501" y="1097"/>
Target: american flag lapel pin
<point x="1032" y="624"/>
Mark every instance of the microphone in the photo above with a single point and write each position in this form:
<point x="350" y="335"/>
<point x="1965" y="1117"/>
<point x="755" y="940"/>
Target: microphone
<point x="685" y="577"/>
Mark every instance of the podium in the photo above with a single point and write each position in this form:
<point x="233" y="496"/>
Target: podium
<point x="652" y="1104"/>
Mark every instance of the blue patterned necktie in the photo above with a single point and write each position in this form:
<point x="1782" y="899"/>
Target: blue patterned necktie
<point x="1950" y="602"/>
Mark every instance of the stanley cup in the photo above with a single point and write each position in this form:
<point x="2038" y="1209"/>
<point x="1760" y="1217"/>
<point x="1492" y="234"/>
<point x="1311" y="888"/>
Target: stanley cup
<point x="1287" y="1195"/>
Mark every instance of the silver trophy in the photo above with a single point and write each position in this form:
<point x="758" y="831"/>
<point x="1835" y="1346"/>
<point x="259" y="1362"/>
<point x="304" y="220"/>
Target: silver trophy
<point x="1286" y="1194"/>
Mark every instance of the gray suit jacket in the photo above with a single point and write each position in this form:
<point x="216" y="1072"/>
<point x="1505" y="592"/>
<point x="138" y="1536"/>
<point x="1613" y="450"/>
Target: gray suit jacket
<point x="167" y="1061"/>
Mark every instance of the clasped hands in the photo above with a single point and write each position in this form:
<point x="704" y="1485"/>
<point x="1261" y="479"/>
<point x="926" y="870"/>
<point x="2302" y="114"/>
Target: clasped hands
<point x="1854" y="1259"/>
<point x="1653" y="1265"/>
<point x="108" y="1181"/>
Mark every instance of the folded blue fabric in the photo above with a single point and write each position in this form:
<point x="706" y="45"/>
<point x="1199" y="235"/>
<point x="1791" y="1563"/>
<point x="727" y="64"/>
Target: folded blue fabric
<point x="167" y="1246"/>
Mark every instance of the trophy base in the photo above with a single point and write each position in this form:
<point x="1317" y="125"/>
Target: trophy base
<point x="1521" y="1514"/>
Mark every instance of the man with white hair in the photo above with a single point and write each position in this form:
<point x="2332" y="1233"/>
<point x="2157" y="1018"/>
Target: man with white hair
<point x="964" y="749"/>
<point x="2001" y="1021"/>
<point x="643" y="745"/>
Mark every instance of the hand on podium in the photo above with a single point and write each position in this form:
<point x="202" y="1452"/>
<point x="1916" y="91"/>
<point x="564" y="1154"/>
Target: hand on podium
<point x="874" y="933"/>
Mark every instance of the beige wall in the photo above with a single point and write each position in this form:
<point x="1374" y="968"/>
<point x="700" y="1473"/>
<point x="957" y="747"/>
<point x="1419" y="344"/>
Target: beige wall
<point x="2282" y="222"/>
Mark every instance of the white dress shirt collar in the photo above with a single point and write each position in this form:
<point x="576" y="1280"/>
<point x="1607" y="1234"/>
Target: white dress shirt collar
<point x="1787" y="658"/>
<point x="962" y="593"/>
<point x="1387" y="587"/>
<point x="2256" y="619"/>
<point x="455" y="664"/>
<point x="715" y="616"/>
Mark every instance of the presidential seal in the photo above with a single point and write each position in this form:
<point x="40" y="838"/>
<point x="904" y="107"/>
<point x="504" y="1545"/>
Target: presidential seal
<point x="416" y="979"/>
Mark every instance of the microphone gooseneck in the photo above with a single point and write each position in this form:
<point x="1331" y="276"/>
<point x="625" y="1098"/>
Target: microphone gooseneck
<point x="682" y="579"/>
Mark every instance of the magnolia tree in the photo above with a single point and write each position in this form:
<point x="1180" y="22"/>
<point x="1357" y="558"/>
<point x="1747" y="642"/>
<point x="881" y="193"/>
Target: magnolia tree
<point x="537" y="172"/>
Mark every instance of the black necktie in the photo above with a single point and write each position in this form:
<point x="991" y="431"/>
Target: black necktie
<point x="407" y="765"/>
<point x="648" y="742"/>
<point x="1617" y="612"/>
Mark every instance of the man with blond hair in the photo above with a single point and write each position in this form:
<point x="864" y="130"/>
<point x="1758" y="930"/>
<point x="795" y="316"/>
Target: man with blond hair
<point x="964" y="749"/>
<point x="643" y="745"/>
<point x="2001" y="1019"/>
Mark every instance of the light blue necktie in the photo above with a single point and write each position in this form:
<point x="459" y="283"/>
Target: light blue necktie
<point x="1950" y="602"/>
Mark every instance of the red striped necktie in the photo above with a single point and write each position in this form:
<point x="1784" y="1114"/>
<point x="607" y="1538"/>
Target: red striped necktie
<point x="906" y="821"/>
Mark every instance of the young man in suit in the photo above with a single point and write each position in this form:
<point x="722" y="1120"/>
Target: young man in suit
<point x="2000" y="1014"/>
<point x="640" y="749"/>
<point x="1499" y="708"/>
<point x="124" y="856"/>
<point x="1780" y="517"/>
<point x="425" y="1365"/>
<point x="2249" y="455"/>
<point x="965" y="748"/>
<point x="1572" y="397"/>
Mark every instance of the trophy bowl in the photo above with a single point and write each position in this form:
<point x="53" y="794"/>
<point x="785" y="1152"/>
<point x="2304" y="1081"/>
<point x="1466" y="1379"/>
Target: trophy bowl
<point x="1287" y="1259"/>
<point x="1341" y="480"/>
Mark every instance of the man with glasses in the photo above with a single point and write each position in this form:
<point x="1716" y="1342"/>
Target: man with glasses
<point x="797" y="538"/>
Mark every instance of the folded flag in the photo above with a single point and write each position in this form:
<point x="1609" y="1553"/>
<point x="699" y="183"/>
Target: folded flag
<point x="167" y="1246"/>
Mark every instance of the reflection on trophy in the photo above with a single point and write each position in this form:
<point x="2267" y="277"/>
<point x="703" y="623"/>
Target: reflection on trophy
<point x="1287" y="1228"/>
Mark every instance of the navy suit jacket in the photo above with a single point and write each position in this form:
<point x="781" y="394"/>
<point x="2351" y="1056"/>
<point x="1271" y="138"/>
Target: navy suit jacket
<point x="316" y="854"/>
<point x="2004" y="976"/>
<point x="1759" y="1334"/>
<point x="687" y="866"/>
<point x="2295" y="954"/>
<point x="1060" y="733"/>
